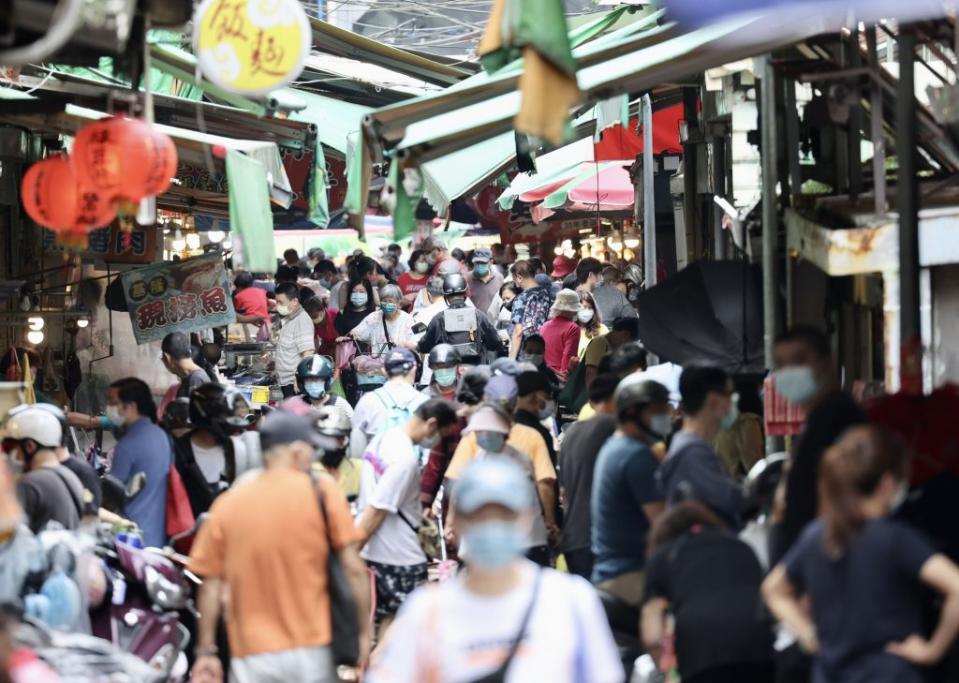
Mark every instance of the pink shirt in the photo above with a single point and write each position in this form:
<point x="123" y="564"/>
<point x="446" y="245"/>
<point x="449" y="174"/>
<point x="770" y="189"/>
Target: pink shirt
<point x="562" y="343"/>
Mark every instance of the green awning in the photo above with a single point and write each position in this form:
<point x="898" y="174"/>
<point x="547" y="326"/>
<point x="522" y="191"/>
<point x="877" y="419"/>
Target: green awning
<point x="335" y="120"/>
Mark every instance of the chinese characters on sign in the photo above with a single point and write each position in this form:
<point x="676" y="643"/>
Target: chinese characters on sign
<point x="251" y="47"/>
<point x="113" y="245"/>
<point x="184" y="296"/>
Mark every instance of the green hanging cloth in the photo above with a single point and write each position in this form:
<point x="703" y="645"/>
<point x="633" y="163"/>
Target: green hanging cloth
<point x="250" y="214"/>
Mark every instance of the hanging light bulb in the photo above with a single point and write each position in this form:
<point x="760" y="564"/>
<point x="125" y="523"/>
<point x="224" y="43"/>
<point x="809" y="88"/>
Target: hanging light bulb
<point x="82" y="322"/>
<point x="193" y="241"/>
<point x="178" y="244"/>
<point x="35" y="337"/>
<point x="35" y="323"/>
<point x="216" y="236"/>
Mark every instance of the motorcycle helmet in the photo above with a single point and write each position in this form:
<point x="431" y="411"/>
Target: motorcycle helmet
<point x="334" y="425"/>
<point x="454" y="284"/>
<point x="633" y="274"/>
<point x="223" y="411"/>
<point x="40" y="423"/>
<point x="444" y="355"/>
<point x="633" y="397"/>
<point x="311" y="370"/>
<point x="177" y="414"/>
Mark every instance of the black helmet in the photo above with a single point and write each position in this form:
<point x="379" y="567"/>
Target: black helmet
<point x="473" y="385"/>
<point x="315" y="367"/>
<point x="454" y="284"/>
<point x="177" y="414"/>
<point x="221" y="410"/>
<point x="444" y="354"/>
<point x="633" y="396"/>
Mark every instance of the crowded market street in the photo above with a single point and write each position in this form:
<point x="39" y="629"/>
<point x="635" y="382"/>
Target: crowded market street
<point x="479" y="341"/>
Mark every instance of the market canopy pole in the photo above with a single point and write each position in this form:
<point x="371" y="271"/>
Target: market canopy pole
<point x="907" y="204"/>
<point x="649" y="195"/>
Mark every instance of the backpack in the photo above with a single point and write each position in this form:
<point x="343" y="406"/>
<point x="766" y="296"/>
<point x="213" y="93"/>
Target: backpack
<point x="536" y="311"/>
<point x="396" y="415"/>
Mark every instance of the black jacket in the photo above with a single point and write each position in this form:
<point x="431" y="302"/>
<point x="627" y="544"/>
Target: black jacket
<point x="486" y="337"/>
<point x="201" y="493"/>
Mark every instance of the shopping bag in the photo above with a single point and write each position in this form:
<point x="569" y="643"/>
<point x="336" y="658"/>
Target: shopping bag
<point x="179" y="513"/>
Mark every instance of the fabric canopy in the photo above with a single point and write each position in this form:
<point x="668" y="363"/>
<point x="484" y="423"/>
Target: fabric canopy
<point x="604" y="186"/>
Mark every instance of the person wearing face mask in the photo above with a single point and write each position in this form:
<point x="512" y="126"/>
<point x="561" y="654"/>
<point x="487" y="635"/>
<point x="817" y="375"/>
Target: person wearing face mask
<point x="561" y="333"/>
<point x="534" y="353"/>
<point x="295" y="340"/>
<point x="388" y="327"/>
<point x="324" y="325"/>
<point x="484" y="281"/>
<point x="47" y="490"/>
<point x="854" y="587"/>
<point x="590" y="322"/>
<point x="389" y="504"/>
<point x="266" y="544"/>
<point x="415" y="279"/>
<point x="392" y="403"/>
<point x="314" y="379"/>
<point x="360" y="303"/>
<point x="502" y="618"/>
<point x="692" y="470"/>
<point x="535" y="404"/>
<point x="624" y="488"/>
<point x="142" y="447"/>
<point x="491" y="425"/>
<point x="444" y="365"/>
<point x="326" y="274"/>
<point x="806" y="375"/>
<point x="611" y="301"/>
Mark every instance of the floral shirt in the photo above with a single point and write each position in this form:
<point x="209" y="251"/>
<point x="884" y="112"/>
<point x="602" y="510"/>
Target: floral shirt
<point x="531" y="309"/>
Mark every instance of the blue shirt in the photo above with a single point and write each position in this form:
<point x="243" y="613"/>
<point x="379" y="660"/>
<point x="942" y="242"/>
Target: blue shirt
<point x="623" y="482"/>
<point x="145" y="448"/>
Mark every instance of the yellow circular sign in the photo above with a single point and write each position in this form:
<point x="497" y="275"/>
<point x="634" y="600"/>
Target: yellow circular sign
<point x="251" y="47"/>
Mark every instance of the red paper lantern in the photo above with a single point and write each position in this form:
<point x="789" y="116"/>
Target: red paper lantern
<point x="56" y="199"/>
<point x="124" y="158"/>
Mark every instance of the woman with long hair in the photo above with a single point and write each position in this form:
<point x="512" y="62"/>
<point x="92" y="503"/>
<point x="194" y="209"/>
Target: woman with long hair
<point x="709" y="581"/>
<point x="590" y="321"/>
<point x="863" y="573"/>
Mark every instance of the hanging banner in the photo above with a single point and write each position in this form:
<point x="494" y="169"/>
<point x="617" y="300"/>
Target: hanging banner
<point x="114" y="245"/>
<point x="849" y="12"/>
<point x="251" y="47"/>
<point x="182" y="296"/>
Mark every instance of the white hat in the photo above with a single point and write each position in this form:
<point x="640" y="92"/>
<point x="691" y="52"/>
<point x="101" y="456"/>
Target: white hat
<point x="567" y="300"/>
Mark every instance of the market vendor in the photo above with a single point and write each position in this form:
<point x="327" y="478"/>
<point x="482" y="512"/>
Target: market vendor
<point x="294" y="341"/>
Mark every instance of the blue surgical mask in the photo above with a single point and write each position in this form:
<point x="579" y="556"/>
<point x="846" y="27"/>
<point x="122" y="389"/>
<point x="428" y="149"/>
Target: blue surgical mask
<point x="481" y="268"/>
<point x="388" y="309"/>
<point x="491" y="442"/>
<point x="493" y="544"/>
<point x="359" y="299"/>
<point x="326" y="283"/>
<point x="729" y="419"/>
<point x="534" y="358"/>
<point x="796" y="384"/>
<point x="445" y="377"/>
<point x="315" y="390"/>
<point x="661" y="425"/>
<point x="374" y="378"/>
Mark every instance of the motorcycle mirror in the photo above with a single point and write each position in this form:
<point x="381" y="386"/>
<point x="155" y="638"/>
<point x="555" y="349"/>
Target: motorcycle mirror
<point x="764" y="476"/>
<point x="137" y="483"/>
<point x="419" y="328"/>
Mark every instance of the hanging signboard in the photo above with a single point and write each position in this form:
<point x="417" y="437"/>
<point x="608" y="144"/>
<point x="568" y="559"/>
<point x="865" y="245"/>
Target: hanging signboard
<point x="251" y="47"/>
<point x="113" y="245"/>
<point x="785" y="12"/>
<point x="183" y="296"/>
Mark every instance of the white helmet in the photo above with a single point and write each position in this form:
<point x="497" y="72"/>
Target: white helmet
<point x="36" y="422"/>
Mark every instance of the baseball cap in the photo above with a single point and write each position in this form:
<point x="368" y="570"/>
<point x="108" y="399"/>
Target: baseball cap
<point x="528" y="382"/>
<point x="492" y="481"/>
<point x="483" y="255"/>
<point x="281" y="427"/>
<point x="501" y="388"/>
<point x="563" y="266"/>
<point x="489" y="418"/>
<point x="400" y="361"/>
<point x="505" y="366"/>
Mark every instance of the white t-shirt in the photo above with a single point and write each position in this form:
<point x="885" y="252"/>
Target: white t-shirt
<point x="211" y="461"/>
<point x="447" y="634"/>
<point x="370" y="330"/>
<point x="390" y="481"/>
<point x="371" y="410"/>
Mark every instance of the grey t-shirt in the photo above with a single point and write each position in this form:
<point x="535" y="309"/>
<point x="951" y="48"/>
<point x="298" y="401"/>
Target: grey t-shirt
<point x="196" y="378"/>
<point x="613" y="304"/>
<point x="50" y="494"/>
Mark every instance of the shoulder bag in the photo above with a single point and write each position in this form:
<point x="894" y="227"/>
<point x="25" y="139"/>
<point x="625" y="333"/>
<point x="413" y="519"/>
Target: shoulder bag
<point x="345" y="646"/>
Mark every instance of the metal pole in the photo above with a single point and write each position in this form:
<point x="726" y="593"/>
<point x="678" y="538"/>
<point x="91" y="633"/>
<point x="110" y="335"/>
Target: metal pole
<point x="690" y="175"/>
<point x="792" y="139"/>
<point x="719" y="190"/>
<point x="770" y="214"/>
<point x="907" y="204"/>
<point x="876" y="132"/>
<point x="649" y="195"/>
<point x="855" y="121"/>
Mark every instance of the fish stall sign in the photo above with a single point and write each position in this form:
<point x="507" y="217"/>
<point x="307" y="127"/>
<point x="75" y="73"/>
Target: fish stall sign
<point x="251" y="47"/>
<point x="184" y="296"/>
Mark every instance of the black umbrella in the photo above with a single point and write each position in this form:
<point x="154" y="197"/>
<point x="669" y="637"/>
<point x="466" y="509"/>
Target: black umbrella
<point x="711" y="312"/>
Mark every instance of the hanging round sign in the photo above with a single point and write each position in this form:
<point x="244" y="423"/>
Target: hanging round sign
<point x="251" y="47"/>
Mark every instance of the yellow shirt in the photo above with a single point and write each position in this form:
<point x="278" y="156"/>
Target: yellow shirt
<point x="584" y="340"/>
<point x="595" y="350"/>
<point x="524" y="439"/>
<point x="586" y="412"/>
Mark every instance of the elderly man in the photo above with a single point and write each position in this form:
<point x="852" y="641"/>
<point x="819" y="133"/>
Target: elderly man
<point x="484" y="281"/>
<point x="295" y="340"/>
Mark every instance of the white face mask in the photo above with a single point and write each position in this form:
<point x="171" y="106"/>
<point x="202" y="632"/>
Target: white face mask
<point x="113" y="412"/>
<point x="282" y="310"/>
<point x="796" y="384"/>
<point x="585" y="315"/>
<point x="422" y="267"/>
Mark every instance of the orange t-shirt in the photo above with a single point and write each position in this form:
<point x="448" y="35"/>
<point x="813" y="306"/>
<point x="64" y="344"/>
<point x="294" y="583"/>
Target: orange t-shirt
<point x="267" y="540"/>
